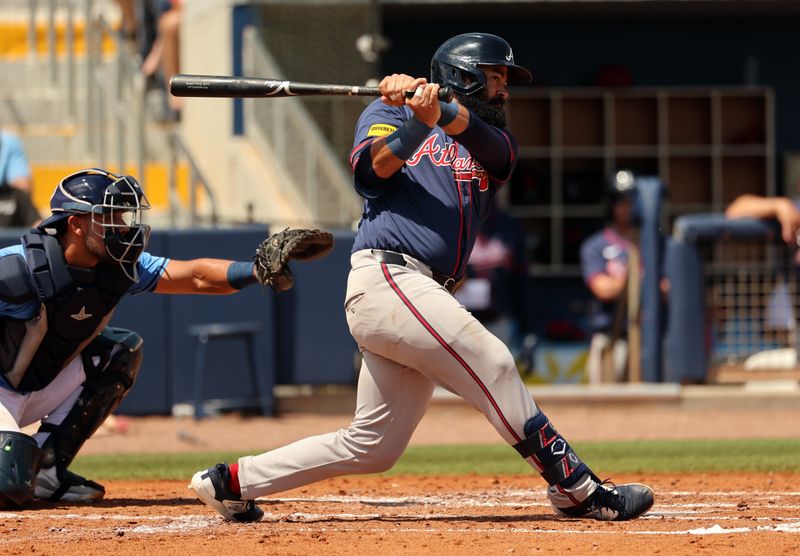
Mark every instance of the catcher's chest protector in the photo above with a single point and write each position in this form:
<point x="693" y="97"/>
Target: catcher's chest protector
<point x="77" y="302"/>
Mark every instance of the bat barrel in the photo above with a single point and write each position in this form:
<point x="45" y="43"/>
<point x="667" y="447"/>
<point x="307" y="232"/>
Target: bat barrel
<point x="183" y="85"/>
<point x="223" y="86"/>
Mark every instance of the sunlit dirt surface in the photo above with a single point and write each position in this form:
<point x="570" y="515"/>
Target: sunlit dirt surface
<point x="699" y="513"/>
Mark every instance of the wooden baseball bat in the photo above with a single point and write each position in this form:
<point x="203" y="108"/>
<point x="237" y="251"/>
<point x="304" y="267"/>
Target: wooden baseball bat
<point x="224" y="86"/>
<point x="634" y="294"/>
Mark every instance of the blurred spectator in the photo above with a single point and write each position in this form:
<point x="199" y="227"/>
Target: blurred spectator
<point x="128" y="24"/>
<point x="14" y="168"/>
<point x="16" y="182"/>
<point x="494" y="289"/>
<point x="139" y="22"/>
<point x="786" y="211"/>
<point x="779" y="317"/>
<point x="17" y="209"/>
<point x="164" y="55"/>
<point x="605" y="263"/>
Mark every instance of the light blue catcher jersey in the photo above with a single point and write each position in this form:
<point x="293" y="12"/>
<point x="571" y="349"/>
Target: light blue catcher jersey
<point x="150" y="270"/>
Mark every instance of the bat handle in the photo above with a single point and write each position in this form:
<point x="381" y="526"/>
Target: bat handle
<point x="445" y="93"/>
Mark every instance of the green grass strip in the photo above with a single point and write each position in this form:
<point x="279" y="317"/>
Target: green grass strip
<point x="605" y="458"/>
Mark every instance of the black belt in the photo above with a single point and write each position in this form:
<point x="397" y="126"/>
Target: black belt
<point x="390" y="257"/>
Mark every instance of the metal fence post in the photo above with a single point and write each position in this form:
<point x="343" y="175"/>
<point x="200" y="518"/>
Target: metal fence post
<point x="70" y="73"/>
<point x="32" y="38"/>
<point x="51" y="41"/>
<point x="90" y="92"/>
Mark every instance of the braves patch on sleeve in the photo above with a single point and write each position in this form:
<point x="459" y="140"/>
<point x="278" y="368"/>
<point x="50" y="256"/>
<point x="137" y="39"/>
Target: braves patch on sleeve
<point x="380" y="130"/>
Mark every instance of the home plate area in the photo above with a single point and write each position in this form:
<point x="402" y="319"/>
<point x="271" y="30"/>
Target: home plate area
<point x="729" y="513"/>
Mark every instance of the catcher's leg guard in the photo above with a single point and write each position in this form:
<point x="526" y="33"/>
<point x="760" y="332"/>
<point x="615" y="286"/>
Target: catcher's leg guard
<point x="557" y="462"/>
<point x="111" y="363"/>
<point x="20" y="457"/>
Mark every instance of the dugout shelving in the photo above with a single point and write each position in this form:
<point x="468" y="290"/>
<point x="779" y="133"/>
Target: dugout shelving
<point x="708" y="144"/>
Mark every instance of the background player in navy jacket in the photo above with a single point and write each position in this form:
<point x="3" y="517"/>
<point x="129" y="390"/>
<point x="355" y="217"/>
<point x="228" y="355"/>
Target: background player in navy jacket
<point x="428" y="171"/>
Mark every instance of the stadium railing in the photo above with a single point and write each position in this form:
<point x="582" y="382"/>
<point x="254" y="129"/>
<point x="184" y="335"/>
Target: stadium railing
<point x="733" y="301"/>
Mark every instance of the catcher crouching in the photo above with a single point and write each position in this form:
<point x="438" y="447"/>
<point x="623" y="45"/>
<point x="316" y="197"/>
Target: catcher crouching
<point x="61" y="365"/>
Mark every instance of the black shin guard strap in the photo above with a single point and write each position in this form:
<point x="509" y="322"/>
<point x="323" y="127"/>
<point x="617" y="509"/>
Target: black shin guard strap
<point x="540" y="439"/>
<point x="120" y="356"/>
<point x="558" y="463"/>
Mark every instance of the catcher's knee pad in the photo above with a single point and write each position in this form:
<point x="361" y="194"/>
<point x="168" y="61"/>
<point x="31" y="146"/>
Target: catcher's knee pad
<point x="557" y="462"/>
<point x="19" y="462"/>
<point x="111" y="363"/>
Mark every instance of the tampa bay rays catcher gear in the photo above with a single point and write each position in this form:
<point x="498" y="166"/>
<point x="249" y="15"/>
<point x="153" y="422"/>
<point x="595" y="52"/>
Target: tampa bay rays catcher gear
<point x="19" y="461"/>
<point x="274" y="253"/>
<point x="111" y="363"/>
<point x="72" y="310"/>
<point x="459" y="60"/>
<point x="116" y="204"/>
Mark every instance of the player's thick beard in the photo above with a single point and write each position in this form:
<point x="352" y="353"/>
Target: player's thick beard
<point x="490" y="111"/>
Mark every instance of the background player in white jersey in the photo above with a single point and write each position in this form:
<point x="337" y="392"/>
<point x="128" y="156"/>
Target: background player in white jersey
<point x="428" y="171"/>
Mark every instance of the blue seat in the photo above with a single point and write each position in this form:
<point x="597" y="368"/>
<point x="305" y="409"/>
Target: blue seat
<point x="246" y="331"/>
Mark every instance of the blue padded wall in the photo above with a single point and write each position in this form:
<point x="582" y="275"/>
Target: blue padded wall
<point x="304" y="337"/>
<point x="146" y="315"/>
<point x="226" y="374"/>
<point x="316" y="345"/>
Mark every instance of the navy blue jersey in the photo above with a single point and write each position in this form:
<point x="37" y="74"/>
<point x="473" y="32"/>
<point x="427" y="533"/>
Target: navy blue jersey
<point x="431" y="207"/>
<point x="605" y="252"/>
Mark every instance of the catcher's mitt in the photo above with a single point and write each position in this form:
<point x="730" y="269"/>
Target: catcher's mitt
<point x="273" y="255"/>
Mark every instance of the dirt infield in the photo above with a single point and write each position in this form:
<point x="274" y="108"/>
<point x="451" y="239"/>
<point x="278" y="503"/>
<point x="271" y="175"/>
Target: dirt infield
<point x="735" y="514"/>
<point x="700" y="513"/>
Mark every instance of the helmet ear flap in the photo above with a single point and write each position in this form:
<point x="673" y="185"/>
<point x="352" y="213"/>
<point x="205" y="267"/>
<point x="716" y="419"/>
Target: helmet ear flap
<point x="463" y="80"/>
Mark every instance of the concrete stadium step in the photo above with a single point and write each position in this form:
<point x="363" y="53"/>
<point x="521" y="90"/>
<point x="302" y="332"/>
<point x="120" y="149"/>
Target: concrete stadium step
<point x="53" y="144"/>
<point x="62" y="144"/>
<point x="33" y="75"/>
<point x="40" y="108"/>
<point x="52" y="135"/>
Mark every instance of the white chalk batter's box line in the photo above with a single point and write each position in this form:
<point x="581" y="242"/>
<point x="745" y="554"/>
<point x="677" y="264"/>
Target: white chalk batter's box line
<point x="189" y="524"/>
<point x="536" y="498"/>
<point x="664" y="513"/>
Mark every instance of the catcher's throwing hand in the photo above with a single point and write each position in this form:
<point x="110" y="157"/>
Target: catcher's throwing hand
<point x="273" y="255"/>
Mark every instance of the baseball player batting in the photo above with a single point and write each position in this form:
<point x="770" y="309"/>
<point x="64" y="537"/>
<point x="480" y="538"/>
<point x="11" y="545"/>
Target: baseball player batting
<point x="428" y="171"/>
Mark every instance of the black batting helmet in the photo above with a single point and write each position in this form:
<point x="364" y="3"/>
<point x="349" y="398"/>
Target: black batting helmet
<point x="464" y="55"/>
<point x="620" y="185"/>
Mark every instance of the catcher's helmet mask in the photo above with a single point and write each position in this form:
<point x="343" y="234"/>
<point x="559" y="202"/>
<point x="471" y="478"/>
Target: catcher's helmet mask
<point x="465" y="55"/>
<point x="116" y="204"/>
